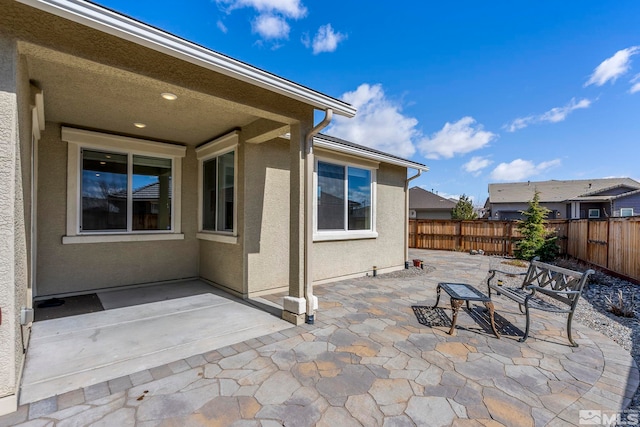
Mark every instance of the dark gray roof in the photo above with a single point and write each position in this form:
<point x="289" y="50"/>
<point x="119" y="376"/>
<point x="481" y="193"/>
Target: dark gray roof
<point x="554" y="191"/>
<point x="422" y="199"/>
<point x="147" y="192"/>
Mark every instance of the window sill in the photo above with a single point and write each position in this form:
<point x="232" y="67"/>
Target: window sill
<point x="220" y="238"/>
<point x="344" y="235"/>
<point x="114" y="238"/>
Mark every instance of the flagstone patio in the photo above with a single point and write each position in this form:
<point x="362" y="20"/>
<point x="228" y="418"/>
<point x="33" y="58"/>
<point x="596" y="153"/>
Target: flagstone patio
<point x="368" y="361"/>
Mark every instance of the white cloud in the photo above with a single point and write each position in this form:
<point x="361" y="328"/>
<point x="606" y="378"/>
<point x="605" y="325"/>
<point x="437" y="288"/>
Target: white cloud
<point x="271" y="20"/>
<point x="271" y="27"/>
<point x="378" y="124"/>
<point x="636" y="84"/>
<point x="519" y="169"/>
<point x="222" y="27"/>
<point x="326" y="40"/>
<point x="612" y="68"/>
<point x="289" y="8"/>
<point x="554" y="115"/>
<point x="476" y="164"/>
<point x="456" y="138"/>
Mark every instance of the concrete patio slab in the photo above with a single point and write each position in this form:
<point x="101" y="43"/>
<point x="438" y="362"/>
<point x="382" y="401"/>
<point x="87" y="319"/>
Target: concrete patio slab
<point x="79" y="351"/>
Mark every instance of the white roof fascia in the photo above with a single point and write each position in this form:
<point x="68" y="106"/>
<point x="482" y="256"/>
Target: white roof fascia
<point x="118" y="25"/>
<point x="354" y="151"/>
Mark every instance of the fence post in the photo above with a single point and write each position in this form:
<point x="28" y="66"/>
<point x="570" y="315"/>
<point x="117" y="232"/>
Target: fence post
<point x="608" y="240"/>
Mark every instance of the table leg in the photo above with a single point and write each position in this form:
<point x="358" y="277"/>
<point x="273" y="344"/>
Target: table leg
<point x="491" y="310"/>
<point x="455" y="306"/>
<point x="437" y="297"/>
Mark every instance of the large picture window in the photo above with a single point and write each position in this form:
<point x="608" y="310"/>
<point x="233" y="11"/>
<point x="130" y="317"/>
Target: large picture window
<point x="121" y="189"/>
<point x="344" y="196"/>
<point x="117" y="197"/>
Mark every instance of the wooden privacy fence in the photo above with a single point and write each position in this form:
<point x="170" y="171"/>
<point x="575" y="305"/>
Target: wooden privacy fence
<point x="493" y="237"/>
<point x="613" y="244"/>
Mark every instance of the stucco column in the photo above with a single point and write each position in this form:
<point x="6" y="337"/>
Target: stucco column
<point x="295" y="303"/>
<point x="9" y="328"/>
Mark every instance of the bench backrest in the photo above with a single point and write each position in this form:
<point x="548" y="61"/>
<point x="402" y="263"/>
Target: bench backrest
<point x="553" y="278"/>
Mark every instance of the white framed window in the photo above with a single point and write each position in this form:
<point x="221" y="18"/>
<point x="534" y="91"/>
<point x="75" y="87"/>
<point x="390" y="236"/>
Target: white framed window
<point x="626" y="211"/>
<point x="594" y="213"/>
<point x="121" y="188"/>
<point x="344" y="200"/>
<point x="217" y="189"/>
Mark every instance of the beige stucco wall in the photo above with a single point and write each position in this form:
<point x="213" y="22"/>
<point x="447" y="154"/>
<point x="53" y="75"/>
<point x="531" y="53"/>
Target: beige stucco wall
<point x="266" y="231"/>
<point x="342" y="258"/>
<point x="267" y="224"/>
<point x="88" y="266"/>
<point x="14" y="130"/>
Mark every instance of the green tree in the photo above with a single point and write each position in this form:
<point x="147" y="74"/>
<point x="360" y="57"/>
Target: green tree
<point x="464" y="209"/>
<point x="536" y="240"/>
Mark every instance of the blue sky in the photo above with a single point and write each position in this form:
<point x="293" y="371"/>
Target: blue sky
<point x="480" y="92"/>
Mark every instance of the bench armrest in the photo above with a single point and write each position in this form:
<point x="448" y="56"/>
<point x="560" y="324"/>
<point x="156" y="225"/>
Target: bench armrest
<point x="507" y="272"/>
<point x="534" y="288"/>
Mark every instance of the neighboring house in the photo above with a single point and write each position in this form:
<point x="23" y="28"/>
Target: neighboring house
<point x="424" y="204"/>
<point x="574" y="199"/>
<point x="132" y="156"/>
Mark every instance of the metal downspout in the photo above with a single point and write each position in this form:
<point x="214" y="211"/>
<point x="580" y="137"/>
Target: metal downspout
<point x="406" y="214"/>
<point x="308" y="214"/>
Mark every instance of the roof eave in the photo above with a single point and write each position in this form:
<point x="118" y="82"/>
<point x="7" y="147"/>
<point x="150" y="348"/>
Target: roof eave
<point x="354" y="151"/>
<point x="118" y="25"/>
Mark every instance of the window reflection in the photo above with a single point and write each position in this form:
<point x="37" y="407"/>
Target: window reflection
<point x="330" y="196"/>
<point x="359" y="211"/>
<point x="151" y="193"/>
<point x="104" y="191"/>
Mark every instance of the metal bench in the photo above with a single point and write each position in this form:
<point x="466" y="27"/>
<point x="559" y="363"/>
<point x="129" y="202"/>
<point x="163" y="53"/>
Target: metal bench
<point x="562" y="285"/>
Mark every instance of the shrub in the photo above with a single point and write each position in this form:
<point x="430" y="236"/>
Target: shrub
<point x="536" y="240"/>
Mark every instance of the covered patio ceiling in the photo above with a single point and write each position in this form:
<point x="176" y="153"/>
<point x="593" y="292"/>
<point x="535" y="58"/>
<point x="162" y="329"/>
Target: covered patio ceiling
<point x="87" y="94"/>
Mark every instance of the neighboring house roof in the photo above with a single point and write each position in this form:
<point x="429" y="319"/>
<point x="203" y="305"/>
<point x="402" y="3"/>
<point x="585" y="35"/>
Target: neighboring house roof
<point x="630" y="193"/>
<point x="119" y="25"/>
<point x="556" y="191"/>
<point x="423" y="199"/>
<point x="147" y="192"/>
<point x="347" y="147"/>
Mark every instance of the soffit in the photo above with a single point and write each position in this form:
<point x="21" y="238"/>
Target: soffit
<point x="85" y="94"/>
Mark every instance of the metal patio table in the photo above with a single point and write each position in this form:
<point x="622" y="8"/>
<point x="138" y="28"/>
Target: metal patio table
<point x="461" y="292"/>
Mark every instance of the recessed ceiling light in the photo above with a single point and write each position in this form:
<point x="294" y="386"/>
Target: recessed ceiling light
<point x="140" y="125"/>
<point x="97" y="174"/>
<point x="103" y="163"/>
<point x="169" y="96"/>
